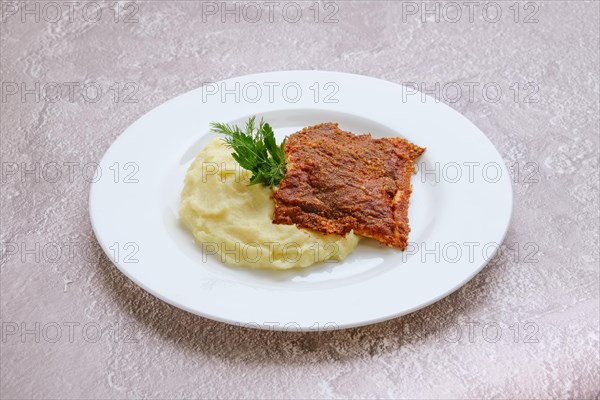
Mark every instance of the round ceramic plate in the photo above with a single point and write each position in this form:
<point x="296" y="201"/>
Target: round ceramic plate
<point x="459" y="211"/>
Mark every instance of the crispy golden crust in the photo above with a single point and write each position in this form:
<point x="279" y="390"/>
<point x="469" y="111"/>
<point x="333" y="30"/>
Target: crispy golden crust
<point x="337" y="182"/>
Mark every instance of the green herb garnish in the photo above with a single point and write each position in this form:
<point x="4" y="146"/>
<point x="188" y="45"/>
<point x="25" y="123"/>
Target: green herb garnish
<point x="255" y="150"/>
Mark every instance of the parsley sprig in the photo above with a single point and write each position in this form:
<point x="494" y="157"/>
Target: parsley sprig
<point x="256" y="150"/>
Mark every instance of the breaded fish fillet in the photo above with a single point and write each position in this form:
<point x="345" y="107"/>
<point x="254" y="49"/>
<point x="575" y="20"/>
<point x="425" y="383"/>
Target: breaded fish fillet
<point x="337" y="181"/>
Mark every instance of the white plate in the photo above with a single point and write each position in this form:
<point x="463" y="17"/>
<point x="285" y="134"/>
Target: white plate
<point x="457" y="223"/>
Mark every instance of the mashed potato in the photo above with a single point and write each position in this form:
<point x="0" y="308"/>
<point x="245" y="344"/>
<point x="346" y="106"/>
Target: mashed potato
<point x="233" y="221"/>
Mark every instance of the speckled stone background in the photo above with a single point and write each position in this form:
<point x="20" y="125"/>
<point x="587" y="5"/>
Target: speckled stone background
<point x="75" y="327"/>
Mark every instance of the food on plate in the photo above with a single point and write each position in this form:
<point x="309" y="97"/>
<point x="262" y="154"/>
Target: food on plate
<point x="258" y="204"/>
<point x="231" y="219"/>
<point x="337" y="182"/>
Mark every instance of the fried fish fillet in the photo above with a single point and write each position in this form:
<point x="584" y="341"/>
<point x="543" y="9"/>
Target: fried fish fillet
<point x="337" y="181"/>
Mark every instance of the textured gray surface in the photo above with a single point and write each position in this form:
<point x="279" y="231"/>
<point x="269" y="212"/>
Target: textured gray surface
<point x="548" y="289"/>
